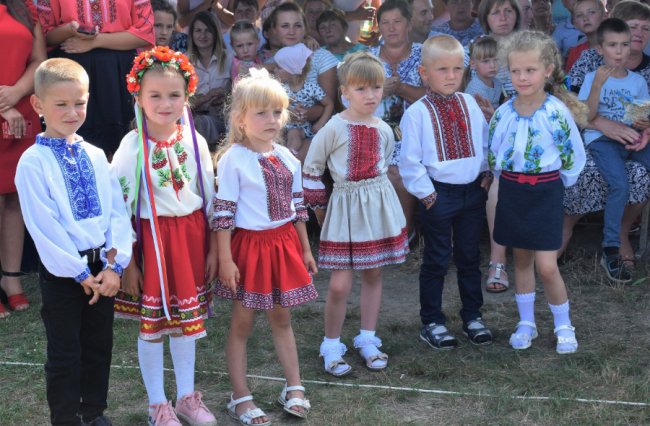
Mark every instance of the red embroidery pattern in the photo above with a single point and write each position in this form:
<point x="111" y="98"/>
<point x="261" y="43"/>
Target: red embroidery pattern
<point x="451" y="126"/>
<point x="301" y="211"/>
<point x="45" y="16"/>
<point x="278" y="181"/>
<point x="363" y="254"/>
<point x="316" y="198"/>
<point x="223" y="216"/>
<point x="286" y="299"/>
<point x="363" y="152"/>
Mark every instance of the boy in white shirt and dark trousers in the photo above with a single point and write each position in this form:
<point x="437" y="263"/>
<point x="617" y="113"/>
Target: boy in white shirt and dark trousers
<point x="74" y="211"/>
<point x="606" y="92"/>
<point x="444" y="164"/>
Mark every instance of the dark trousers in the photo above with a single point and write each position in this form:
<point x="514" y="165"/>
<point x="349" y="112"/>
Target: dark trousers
<point x="458" y="214"/>
<point x="79" y="346"/>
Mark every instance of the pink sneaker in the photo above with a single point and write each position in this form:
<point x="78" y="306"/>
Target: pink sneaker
<point x="192" y="409"/>
<point x="164" y="415"/>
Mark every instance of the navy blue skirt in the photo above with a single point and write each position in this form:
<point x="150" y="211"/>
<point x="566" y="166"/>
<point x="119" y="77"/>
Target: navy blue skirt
<point x="529" y="211"/>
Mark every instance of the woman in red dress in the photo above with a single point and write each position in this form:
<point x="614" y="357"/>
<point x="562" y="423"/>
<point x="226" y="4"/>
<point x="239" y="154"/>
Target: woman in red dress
<point x="23" y="49"/>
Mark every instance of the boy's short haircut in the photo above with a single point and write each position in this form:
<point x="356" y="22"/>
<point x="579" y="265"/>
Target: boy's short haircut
<point x="164" y="6"/>
<point x="58" y="70"/>
<point x="611" y="25"/>
<point x="599" y="5"/>
<point x="251" y="3"/>
<point x="332" y="15"/>
<point x="441" y="43"/>
<point x="628" y="10"/>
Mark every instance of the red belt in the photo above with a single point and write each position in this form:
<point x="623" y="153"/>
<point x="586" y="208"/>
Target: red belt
<point x="531" y="179"/>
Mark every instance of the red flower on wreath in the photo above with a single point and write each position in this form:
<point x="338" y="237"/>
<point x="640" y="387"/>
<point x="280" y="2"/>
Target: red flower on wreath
<point x="167" y="58"/>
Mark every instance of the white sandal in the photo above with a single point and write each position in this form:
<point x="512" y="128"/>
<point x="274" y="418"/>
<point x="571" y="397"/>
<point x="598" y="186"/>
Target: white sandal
<point x="521" y="341"/>
<point x="250" y="415"/>
<point x="499" y="268"/>
<point x="566" y="345"/>
<point x="333" y="358"/>
<point x="294" y="402"/>
<point x="368" y="349"/>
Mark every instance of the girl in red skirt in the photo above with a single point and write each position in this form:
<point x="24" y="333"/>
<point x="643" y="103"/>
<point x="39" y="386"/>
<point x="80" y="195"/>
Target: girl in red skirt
<point x="166" y="175"/>
<point x="264" y="254"/>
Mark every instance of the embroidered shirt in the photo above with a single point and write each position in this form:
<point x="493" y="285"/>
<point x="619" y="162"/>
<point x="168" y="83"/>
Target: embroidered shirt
<point x="174" y="174"/>
<point x="258" y="191"/>
<point x="111" y="16"/>
<point x="71" y="203"/>
<point x="351" y="152"/>
<point x="444" y="138"/>
<point x="545" y="141"/>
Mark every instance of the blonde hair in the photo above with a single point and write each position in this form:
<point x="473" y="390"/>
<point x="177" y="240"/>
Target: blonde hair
<point x="58" y="70"/>
<point x="549" y="54"/>
<point x="258" y="90"/>
<point x="361" y="68"/>
<point x="483" y="47"/>
<point x="441" y="44"/>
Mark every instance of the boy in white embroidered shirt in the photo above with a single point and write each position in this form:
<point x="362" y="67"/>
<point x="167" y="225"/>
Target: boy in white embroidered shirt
<point x="74" y="211"/>
<point x="443" y="163"/>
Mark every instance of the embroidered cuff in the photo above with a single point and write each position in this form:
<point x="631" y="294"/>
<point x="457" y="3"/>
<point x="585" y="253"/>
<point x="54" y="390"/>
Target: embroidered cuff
<point x="222" y="223"/>
<point x="82" y="276"/>
<point x="301" y="213"/>
<point x="316" y="198"/>
<point x="429" y="199"/>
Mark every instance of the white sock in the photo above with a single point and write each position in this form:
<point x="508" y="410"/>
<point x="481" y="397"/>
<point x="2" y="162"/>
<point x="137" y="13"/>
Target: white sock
<point x="526" y="308"/>
<point x="150" y="357"/>
<point x="561" y="317"/>
<point x="335" y="341"/>
<point x="183" y="353"/>
<point x="367" y="333"/>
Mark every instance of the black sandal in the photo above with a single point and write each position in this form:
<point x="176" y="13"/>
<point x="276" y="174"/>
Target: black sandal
<point x="438" y="337"/>
<point x="477" y="332"/>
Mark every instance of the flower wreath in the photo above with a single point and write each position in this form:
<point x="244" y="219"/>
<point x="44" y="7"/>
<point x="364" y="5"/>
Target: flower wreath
<point x="167" y="58"/>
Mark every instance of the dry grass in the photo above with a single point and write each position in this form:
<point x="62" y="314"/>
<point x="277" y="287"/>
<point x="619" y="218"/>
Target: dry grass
<point x="612" y="324"/>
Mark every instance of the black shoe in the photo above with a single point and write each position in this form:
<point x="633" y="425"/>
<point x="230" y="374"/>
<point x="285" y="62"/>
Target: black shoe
<point x="98" y="421"/>
<point x="438" y="337"/>
<point x="615" y="268"/>
<point x="477" y="332"/>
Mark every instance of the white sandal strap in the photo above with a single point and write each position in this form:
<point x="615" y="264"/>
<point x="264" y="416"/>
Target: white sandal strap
<point x="527" y="323"/>
<point x="235" y="402"/>
<point x="298" y="402"/>
<point x="248" y="417"/>
<point x="564" y="327"/>
<point x="294" y="388"/>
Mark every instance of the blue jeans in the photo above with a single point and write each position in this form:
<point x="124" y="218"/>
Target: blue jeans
<point x="610" y="157"/>
<point x="458" y="213"/>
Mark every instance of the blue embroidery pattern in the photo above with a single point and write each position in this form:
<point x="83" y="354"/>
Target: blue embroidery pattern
<point x="79" y="176"/>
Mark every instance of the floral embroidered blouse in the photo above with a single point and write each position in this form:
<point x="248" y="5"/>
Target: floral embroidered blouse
<point x="173" y="170"/>
<point x="546" y="141"/>
<point x="258" y="191"/>
<point x="71" y="203"/>
<point x="350" y="151"/>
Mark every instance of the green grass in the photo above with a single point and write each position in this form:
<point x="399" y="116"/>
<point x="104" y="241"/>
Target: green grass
<point x="612" y="363"/>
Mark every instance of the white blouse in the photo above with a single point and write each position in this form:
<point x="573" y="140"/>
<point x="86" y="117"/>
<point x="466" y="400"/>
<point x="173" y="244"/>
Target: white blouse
<point x="444" y="138"/>
<point x="546" y="141"/>
<point x="174" y="174"/>
<point x="257" y="191"/>
<point x="71" y="203"/>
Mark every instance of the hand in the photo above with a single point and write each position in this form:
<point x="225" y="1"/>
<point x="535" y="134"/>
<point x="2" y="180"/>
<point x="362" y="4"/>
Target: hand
<point x="9" y="97"/>
<point x="619" y="132"/>
<point x="486" y="182"/>
<point x="229" y="274"/>
<point x="316" y="127"/>
<point x="132" y="281"/>
<point x="211" y="266"/>
<point x="311" y="43"/>
<point x="362" y="13"/>
<point x="486" y="106"/>
<point x="641" y="143"/>
<point x="78" y="44"/>
<point x="602" y="74"/>
<point x="16" y="122"/>
<point x="90" y="286"/>
<point x="391" y="85"/>
<point x="298" y="113"/>
<point x="109" y="282"/>
<point x="320" y="216"/>
<point x="310" y="263"/>
<point x="641" y="123"/>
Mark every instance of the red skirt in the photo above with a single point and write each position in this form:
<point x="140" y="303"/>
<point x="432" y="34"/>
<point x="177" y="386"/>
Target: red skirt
<point x="184" y="247"/>
<point x="11" y="149"/>
<point x="271" y="269"/>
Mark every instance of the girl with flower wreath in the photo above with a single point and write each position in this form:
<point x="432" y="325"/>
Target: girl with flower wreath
<point x="166" y="189"/>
